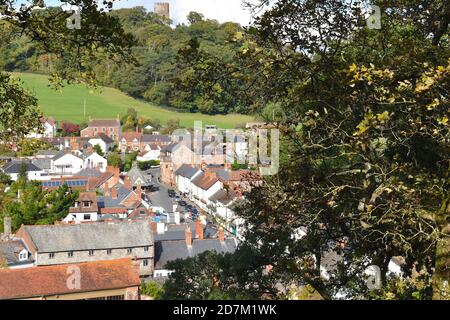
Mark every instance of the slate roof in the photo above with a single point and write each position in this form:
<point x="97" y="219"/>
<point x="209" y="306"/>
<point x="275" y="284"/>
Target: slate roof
<point x="90" y="236"/>
<point x="136" y="174"/>
<point x="171" y="147"/>
<point x="14" y="166"/>
<point x="99" y="275"/>
<point x="10" y="251"/>
<point x="108" y="202"/>
<point x="187" y="171"/>
<point x="43" y="163"/>
<point x="104" y="123"/>
<point x="89" y="172"/>
<point x="47" y="153"/>
<point x="154" y="138"/>
<point x="104" y="137"/>
<point x="166" y="251"/>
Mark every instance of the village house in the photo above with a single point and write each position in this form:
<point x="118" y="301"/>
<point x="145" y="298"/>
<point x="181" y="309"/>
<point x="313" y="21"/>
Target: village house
<point x="152" y="152"/>
<point x="130" y="141"/>
<point x="192" y="244"/>
<point x="15" y="254"/>
<point x="138" y="142"/>
<point x="87" y="242"/>
<point x="106" y="143"/>
<point x="203" y="187"/>
<point x="50" y="127"/>
<point x="13" y="169"/>
<point x="184" y="176"/>
<point x="101" y="280"/>
<point x="85" y="208"/>
<point x="109" y="127"/>
<point x="173" y="156"/>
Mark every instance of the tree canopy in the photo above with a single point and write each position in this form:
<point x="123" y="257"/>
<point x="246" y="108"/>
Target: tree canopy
<point x="364" y="168"/>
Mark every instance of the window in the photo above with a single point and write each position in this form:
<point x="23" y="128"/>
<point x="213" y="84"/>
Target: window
<point x="51" y="255"/>
<point x="23" y="256"/>
<point x="87" y="204"/>
<point x="104" y="129"/>
<point x="108" y="252"/>
<point x="146" y="249"/>
<point x="70" y="254"/>
<point x="87" y="217"/>
<point x="129" y="250"/>
<point x="145" y="263"/>
<point x="95" y="129"/>
<point x="91" y="252"/>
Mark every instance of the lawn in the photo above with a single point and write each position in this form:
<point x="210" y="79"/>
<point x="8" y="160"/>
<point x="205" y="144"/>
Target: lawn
<point x="68" y="104"/>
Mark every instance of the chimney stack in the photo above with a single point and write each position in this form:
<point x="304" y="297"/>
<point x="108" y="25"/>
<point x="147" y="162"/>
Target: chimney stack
<point x="188" y="235"/>
<point x="7" y="226"/>
<point x="139" y="192"/>
<point x="199" y="229"/>
<point x="114" y="193"/>
<point x="221" y="235"/>
<point x="127" y="182"/>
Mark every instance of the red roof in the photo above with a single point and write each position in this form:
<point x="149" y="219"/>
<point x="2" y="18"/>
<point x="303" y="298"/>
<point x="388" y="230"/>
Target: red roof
<point x="52" y="280"/>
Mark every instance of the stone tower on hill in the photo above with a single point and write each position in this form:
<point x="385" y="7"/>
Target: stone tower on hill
<point x="163" y="9"/>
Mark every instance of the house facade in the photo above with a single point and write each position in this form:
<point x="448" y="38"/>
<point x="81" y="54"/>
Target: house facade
<point x="109" y="127"/>
<point x="89" y="242"/>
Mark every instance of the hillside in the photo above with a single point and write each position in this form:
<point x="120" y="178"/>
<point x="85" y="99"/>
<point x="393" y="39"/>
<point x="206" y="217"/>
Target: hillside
<point x="68" y="104"/>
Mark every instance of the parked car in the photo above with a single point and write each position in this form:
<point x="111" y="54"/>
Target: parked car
<point x="182" y="203"/>
<point x="171" y="193"/>
<point x="177" y="198"/>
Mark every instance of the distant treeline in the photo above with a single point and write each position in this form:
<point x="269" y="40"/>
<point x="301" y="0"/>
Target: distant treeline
<point x="157" y="75"/>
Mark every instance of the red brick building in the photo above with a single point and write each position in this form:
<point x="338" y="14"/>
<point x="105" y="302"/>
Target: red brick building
<point x="109" y="127"/>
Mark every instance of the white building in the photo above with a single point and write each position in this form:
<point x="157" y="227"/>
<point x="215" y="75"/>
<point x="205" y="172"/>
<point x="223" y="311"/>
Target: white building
<point x="50" y="129"/>
<point x="183" y="178"/>
<point x="13" y="169"/>
<point x="66" y="164"/>
<point x="94" y="160"/>
<point x="152" y="152"/>
<point x="102" y="140"/>
<point x="203" y="187"/>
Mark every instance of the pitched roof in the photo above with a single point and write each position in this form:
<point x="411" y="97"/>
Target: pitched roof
<point x="14" y="166"/>
<point x="43" y="163"/>
<point x="90" y="236"/>
<point x="10" y="251"/>
<point x="130" y="136"/>
<point x="86" y="197"/>
<point x="166" y="251"/>
<point x="47" y="153"/>
<point x="171" y="147"/>
<point x="153" y="138"/>
<point x="187" y="171"/>
<point x="49" y="120"/>
<point x="104" y="123"/>
<point x="104" y="137"/>
<point x="204" y="181"/>
<point x="137" y="176"/>
<point x="52" y="280"/>
<point x="89" y="172"/>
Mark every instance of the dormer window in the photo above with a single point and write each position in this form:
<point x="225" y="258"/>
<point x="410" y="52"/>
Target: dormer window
<point x="86" y="204"/>
<point x="23" y="255"/>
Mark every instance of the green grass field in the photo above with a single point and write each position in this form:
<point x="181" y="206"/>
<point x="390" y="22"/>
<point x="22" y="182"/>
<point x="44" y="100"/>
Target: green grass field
<point x="68" y="104"/>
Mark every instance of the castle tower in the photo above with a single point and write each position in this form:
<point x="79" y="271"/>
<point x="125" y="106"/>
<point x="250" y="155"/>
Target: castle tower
<point x="163" y="9"/>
